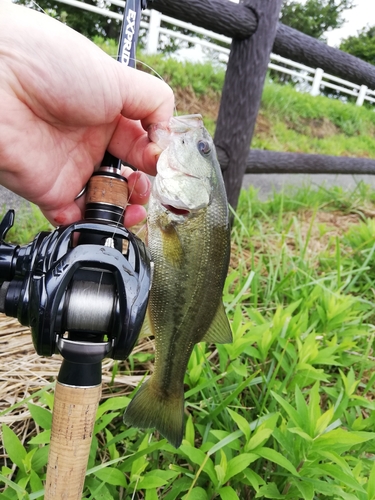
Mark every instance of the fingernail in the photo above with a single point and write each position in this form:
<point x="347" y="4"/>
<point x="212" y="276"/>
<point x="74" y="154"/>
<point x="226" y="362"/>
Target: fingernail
<point x="156" y="149"/>
<point x="143" y="185"/>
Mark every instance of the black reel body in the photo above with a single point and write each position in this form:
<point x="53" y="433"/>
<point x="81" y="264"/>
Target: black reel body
<point x="86" y="301"/>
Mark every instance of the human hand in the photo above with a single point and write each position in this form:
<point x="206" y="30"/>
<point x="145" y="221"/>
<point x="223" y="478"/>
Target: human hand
<point x="63" y="102"/>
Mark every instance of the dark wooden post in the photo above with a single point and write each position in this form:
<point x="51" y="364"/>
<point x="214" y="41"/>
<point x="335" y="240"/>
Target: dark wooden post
<point x="227" y="18"/>
<point x="242" y="91"/>
<point x="305" y="49"/>
<point x="277" y="162"/>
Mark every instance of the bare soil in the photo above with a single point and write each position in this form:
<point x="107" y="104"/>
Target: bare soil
<point x="187" y="101"/>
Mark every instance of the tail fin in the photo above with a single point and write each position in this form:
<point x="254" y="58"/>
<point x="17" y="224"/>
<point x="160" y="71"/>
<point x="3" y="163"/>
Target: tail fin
<point x="152" y="407"/>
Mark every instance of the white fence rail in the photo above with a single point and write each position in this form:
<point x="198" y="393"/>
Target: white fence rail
<point x="312" y="78"/>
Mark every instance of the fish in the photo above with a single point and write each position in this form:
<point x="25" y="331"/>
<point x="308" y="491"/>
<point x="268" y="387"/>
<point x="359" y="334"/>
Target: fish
<point x="188" y="235"/>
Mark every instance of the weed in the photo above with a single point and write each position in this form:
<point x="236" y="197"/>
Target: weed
<point x="29" y="221"/>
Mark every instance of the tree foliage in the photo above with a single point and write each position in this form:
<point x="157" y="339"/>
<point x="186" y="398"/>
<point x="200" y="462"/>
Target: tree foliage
<point x="315" y="17"/>
<point x="83" y="21"/>
<point x="362" y="45"/>
<point x="93" y="25"/>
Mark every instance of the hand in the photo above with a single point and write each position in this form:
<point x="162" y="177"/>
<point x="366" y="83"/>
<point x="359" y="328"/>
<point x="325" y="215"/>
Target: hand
<point x="63" y="102"/>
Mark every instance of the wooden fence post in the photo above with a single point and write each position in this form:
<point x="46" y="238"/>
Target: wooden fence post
<point x="242" y="91"/>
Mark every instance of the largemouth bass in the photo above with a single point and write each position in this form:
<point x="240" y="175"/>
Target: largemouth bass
<point x="189" y="240"/>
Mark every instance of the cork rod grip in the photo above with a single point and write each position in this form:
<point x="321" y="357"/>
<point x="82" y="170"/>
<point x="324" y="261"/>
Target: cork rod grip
<point x="72" y="428"/>
<point x="106" y="189"/>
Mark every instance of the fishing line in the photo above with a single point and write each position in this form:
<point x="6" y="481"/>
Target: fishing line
<point x="39" y="7"/>
<point x="141" y="230"/>
<point x="159" y="76"/>
<point x="153" y="71"/>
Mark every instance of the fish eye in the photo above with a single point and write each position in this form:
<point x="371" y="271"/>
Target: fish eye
<point x="204" y="148"/>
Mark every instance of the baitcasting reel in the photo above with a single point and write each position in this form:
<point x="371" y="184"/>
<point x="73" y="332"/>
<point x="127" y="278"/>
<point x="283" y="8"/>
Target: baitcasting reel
<point x="83" y="288"/>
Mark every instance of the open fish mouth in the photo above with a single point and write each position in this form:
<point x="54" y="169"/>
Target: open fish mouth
<point x="176" y="210"/>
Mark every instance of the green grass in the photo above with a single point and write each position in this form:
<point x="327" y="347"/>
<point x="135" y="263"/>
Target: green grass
<point x="286" y="411"/>
<point x="294" y="106"/>
<point x="306" y="124"/>
<point x="202" y="78"/>
<point x="284" y="138"/>
<point x="28" y="222"/>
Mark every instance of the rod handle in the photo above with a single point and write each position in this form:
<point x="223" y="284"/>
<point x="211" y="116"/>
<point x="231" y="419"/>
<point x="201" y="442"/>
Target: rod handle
<point x="107" y="189"/>
<point x="72" y="429"/>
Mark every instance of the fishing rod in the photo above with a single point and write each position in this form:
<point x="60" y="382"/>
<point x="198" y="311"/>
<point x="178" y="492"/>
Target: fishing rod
<point x="127" y="52"/>
<point x="85" y="301"/>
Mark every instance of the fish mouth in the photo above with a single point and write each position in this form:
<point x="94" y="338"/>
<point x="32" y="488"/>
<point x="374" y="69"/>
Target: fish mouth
<point x="176" y="210"/>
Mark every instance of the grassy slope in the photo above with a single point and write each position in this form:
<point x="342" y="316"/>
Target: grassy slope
<point x="303" y="123"/>
<point x="288" y="120"/>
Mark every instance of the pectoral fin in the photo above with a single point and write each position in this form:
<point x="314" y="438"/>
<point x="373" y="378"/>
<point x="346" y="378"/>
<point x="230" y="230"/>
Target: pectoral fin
<point x="220" y="331"/>
<point x="172" y="247"/>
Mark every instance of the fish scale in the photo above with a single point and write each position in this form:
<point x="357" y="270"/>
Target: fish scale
<point x="189" y="240"/>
